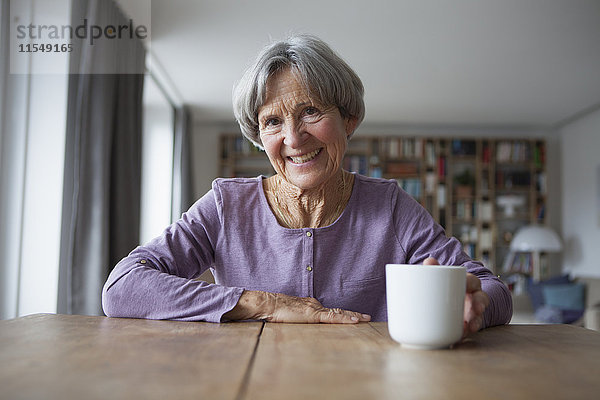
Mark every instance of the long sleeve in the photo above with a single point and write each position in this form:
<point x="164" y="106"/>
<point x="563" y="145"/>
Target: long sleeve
<point x="422" y="237"/>
<point x="155" y="281"/>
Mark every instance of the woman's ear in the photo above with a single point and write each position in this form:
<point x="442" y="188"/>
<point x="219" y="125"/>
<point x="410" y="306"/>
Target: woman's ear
<point x="350" y="126"/>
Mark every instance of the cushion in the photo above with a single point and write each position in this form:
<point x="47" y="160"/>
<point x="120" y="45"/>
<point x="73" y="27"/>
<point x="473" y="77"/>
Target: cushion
<point x="535" y="290"/>
<point x="568" y="296"/>
<point x="553" y="315"/>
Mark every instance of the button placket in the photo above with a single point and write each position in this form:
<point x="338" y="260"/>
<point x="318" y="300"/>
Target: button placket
<point x="308" y="263"/>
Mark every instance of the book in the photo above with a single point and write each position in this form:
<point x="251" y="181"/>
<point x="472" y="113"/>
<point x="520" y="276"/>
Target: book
<point x="485" y="211"/>
<point x="430" y="154"/>
<point x="402" y="168"/>
<point x="412" y="186"/>
<point x="430" y="183"/>
<point x="485" y="239"/>
<point x="441" y="196"/>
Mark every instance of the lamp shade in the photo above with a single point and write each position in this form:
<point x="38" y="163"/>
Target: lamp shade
<point x="536" y="238"/>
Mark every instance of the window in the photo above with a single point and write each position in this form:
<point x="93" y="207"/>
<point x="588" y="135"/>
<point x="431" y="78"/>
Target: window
<point x="157" y="161"/>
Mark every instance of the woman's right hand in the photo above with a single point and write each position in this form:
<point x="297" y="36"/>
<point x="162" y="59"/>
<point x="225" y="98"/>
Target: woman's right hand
<point x="277" y="307"/>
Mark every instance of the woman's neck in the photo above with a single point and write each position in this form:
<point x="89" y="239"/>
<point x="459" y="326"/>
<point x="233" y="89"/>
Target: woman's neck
<point x="316" y="207"/>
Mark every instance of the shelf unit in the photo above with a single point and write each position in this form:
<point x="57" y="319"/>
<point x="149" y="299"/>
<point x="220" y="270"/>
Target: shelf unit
<point x="504" y="188"/>
<point x="240" y="158"/>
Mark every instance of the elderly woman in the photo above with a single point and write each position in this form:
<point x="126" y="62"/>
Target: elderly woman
<point x="310" y="243"/>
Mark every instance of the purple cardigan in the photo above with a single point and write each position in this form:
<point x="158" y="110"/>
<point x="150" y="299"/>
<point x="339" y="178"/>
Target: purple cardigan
<point x="232" y="231"/>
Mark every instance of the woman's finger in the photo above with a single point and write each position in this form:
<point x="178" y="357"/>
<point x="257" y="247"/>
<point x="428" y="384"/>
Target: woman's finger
<point x="480" y="301"/>
<point x="336" y="316"/>
<point x="430" y="261"/>
<point x="339" y="316"/>
<point x="473" y="283"/>
<point x="475" y="324"/>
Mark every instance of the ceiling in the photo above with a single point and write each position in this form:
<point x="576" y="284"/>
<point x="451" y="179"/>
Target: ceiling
<point x="533" y="63"/>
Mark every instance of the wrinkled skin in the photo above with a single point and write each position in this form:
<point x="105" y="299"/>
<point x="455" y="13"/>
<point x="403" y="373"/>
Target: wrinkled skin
<point x="293" y="126"/>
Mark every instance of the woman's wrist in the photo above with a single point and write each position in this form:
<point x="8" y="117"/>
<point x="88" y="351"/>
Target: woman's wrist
<point x="252" y="304"/>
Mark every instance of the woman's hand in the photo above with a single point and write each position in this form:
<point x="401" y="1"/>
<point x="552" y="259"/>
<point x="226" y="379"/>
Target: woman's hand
<point x="476" y="301"/>
<point x="277" y="307"/>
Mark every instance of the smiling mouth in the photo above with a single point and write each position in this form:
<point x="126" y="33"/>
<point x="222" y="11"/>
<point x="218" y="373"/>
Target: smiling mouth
<point x="305" y="158"/>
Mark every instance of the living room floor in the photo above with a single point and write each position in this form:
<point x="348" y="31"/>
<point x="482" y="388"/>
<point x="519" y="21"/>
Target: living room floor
<point x="522" y="310"/>
<point x="523" y="317"/>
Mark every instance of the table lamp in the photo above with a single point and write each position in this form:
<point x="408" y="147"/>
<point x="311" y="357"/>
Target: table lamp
<point x="536" y="239"/>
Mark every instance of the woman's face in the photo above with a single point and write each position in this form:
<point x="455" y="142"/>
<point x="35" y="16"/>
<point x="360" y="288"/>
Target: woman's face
<point x="304" y="140"/>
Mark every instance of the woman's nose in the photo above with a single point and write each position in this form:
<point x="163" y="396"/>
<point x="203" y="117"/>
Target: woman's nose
<point x="294" y="135"/>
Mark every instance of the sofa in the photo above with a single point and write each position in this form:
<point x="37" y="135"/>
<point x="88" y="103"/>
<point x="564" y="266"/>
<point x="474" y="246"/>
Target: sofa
<point x="559" y="300"/>
<point x="591" y="316"/>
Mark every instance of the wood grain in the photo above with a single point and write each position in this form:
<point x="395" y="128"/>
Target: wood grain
<point x="77" y="357"/>
<point x="361" y="361"/>
<point x="296" y="361"/>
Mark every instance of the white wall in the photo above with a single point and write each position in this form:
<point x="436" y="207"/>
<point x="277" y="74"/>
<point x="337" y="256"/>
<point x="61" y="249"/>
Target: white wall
<point x="580" y="152"/>
<point x="205" y="153"/>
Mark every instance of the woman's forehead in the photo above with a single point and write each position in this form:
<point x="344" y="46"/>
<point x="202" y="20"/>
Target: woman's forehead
<point x="285" y="89"/>
<point x="284" y="84"/>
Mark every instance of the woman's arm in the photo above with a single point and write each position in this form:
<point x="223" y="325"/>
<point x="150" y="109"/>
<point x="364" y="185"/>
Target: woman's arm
<point x="155" y="281"/>
<point x="421" y="237"/>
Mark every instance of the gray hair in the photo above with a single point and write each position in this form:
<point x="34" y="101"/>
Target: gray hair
<point x="324" y="74"/>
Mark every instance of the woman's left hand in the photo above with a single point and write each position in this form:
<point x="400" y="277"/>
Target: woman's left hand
<point x="476" y="301"/>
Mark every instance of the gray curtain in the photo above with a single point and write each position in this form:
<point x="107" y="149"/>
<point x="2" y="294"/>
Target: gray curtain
<point x="101" y="200"/>
<point x="183" y="195"/>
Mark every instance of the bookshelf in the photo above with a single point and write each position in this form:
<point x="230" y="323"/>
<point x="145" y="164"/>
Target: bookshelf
<point x="481" y="190"/>
<point x="240" y="158"/>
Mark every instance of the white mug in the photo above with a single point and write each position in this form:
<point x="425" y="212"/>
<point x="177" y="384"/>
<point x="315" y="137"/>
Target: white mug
<point x="425" y="304"/>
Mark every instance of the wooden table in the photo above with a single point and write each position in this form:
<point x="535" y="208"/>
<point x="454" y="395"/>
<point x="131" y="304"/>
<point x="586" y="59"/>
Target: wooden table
<point x="79" y="357"/>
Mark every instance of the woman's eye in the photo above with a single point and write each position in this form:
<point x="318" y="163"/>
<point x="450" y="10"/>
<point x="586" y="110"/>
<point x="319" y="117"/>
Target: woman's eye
<point x="311" y="111"/>
<point x="271" y="122"/>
